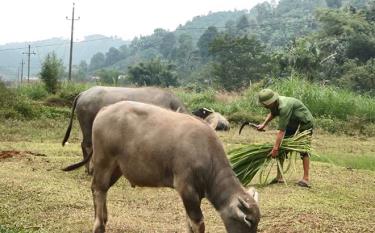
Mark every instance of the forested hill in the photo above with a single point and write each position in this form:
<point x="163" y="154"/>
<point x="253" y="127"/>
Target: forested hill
<point x="196" y="27"/>
<point x="274" y="23"/>
<point x="325" y="41"/>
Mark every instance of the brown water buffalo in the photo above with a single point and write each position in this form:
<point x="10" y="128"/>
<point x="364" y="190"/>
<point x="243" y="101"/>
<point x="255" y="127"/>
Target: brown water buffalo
<point x="155" y="147"/>
<point x="214" y="119"/>
<point x="88" y="103"/>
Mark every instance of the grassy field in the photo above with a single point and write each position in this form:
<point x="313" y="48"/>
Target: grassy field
<point x="36" y="196"/>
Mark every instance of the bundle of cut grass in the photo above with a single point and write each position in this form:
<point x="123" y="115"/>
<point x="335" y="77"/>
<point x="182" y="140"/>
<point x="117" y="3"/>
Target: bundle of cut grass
<point x="248" y="160"/>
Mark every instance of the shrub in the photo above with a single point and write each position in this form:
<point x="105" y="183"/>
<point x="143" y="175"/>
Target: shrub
<point x="52" y="70"/>
<point x="70" y="90"/>
<point x="35" y="91"/>
<point x="26" y="109"/>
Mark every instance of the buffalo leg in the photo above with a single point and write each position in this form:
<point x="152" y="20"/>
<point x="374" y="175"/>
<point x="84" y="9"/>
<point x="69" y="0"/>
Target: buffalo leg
<point x="106" y="173"/>
<point x="114" y="178"/>
<point x="86" y="151"/>
<point x="192" y="203"/>
<point x="86" y="144"/>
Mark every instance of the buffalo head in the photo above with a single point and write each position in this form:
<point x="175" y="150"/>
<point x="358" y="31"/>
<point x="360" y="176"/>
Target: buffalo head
<point x="202" y="112"/>
<point x="242" y="215"/>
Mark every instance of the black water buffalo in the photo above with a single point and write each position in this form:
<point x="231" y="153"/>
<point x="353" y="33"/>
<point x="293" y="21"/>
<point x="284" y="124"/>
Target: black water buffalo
<point x="214" y="119"/>
<point x="155" y="147"/>
<point x="88" y="103"/>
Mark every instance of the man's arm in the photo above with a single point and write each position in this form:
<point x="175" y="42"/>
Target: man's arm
<point x="276" y="146"/>
<point x="266" y="121"/>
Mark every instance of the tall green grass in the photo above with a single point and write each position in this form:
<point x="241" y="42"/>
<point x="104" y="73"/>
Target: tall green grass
<point x="239" y="108"/>
<point x="336" y="110"/>
<point x="66" y="91"/>
<point x="34" y="91"/>
<point x="20" y="105"/>
<point x="328" y="101"/>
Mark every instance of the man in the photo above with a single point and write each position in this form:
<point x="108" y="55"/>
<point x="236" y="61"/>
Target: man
<point x="293" y="115"/>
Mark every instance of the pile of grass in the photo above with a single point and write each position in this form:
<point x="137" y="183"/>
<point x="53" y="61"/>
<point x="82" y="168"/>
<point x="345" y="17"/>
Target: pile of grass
<point x="248" y="160"/>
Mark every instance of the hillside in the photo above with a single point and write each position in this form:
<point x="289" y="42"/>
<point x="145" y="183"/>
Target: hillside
<point x="11" y="54"/>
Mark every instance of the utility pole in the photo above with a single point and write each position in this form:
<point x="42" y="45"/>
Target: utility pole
<point x="18" y="76"/>
<point x="71" y="44"/>
<point x="22" y="62"/>
<point x="28" y="63"/>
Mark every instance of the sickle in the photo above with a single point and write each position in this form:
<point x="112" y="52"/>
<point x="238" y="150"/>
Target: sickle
<point x="249" y="124"/>
<point x="243" y="125"/>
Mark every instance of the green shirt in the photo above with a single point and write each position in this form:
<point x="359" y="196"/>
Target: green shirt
<point x="292" y="113"/>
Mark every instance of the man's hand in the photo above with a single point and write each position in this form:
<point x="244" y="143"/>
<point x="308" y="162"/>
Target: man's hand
<point x="274" y="152"/>
<point x="276" y="146"/>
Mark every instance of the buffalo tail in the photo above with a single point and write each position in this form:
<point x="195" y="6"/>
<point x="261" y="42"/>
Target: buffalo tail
<point x="77" y="165"/>
<point x="67" y="134"/>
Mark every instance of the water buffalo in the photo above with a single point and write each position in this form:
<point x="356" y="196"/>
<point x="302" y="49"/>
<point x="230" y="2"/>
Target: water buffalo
<point x="88" y="103"/>
<point x="155" y="147"/>
<point x="214" y="119"/>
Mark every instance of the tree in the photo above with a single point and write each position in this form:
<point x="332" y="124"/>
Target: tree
<point x="230" y="27"/>
<point x="370" y="12"/>
<point x="153" y="73"/>
<point x="342" y="25"/>
<point x="346" y="40"/>
<point x="238" y="61"/>
<point x="185" y="55"/>
<point x="242" y="25"/>
<point x="304" y="57"/>
<point x="359" y="77"/>
<point x="205" y="40"/>
<point x="97" y="61"/>
<point x="168" y="45"/>
<point x="81" y="71"/>
<point x="263" y="12"/>
<point x="112" y="56"/>
<point x="124" y="51"/>
<point x="185" y="46"/>
<point x="108" y="76"/>
<point x="361" y="47"/>
<point x="52" y="69"/>
<point x="334" y="3"/>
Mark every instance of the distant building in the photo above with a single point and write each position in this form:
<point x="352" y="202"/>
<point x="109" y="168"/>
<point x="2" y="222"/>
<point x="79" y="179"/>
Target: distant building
<point x="32" y="79"/>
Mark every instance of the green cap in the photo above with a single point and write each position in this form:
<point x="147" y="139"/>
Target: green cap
<point x="267" y="96"/>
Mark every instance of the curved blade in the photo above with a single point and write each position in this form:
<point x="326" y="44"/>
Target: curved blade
<point x="243" y="125"/>
<point x="253" y="125"/>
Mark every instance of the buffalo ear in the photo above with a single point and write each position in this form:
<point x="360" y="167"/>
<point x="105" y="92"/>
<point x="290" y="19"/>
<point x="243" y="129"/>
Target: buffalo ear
<point x="253" y="192"/>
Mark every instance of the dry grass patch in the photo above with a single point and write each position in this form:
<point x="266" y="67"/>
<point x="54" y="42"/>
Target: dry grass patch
<point x="36" y="196"/>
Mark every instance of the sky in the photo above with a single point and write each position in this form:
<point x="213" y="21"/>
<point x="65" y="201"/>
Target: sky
<point x="33" y="20"/>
